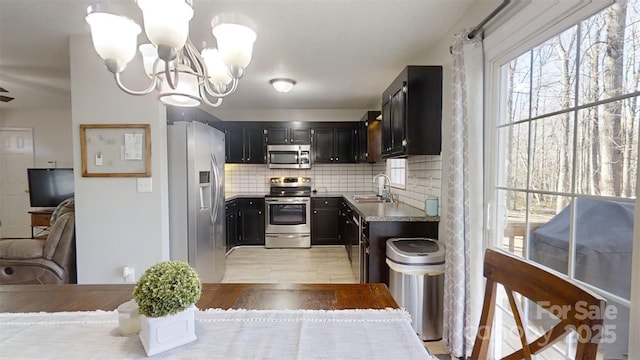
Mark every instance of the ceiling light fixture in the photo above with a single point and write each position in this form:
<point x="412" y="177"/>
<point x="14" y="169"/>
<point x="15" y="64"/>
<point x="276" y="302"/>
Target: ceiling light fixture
<point x="282" y="85"/>
<point x="183" y="76"/>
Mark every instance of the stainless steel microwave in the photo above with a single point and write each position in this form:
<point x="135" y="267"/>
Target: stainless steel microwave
<point x="289" y="156"/>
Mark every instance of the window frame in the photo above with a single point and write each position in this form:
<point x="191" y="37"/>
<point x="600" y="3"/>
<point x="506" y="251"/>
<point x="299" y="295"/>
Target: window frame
<point x="501" y="46"/>
<point x="390" y="167"/>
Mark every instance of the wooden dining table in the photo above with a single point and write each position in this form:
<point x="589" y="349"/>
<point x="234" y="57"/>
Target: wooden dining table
<point x="368" y="323"/>
<point x="57" y="298"/>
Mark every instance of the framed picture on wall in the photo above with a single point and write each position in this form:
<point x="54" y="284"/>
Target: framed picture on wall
<point x="115" y="150"/>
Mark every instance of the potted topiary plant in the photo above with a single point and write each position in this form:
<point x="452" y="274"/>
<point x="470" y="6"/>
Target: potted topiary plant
<point x="166" y="294"/>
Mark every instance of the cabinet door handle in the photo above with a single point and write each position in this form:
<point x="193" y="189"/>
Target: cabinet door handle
<point x="326" y="202"/>
<point x="331" y="159"/>
<point x="337" y="159"/>
<point x="315" y="211"/>
<point x="259" y="212"/>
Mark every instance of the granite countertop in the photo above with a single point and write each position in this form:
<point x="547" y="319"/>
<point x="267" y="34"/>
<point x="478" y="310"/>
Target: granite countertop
<point x="233" y="196"/>
<point x="388" y="212"/>
<point x="368" y="211"/>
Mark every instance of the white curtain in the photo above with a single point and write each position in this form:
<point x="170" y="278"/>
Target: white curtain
<point x="463" y="220"/>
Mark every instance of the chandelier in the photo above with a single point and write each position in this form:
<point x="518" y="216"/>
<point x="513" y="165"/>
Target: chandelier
<point x="182" y="75"/>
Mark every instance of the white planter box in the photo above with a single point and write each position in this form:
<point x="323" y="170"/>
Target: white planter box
<point x="167" y="332"/>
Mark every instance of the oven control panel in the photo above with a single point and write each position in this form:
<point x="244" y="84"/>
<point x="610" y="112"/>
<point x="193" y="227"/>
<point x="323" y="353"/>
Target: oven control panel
<point x="290" y="181"/>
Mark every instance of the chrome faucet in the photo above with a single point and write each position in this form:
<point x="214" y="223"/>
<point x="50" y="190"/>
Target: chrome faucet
<point x="387" y="185"/>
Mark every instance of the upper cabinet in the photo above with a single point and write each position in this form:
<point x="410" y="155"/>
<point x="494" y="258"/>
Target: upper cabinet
<point x="369" y="141"/>
<point x="245" y="145"/>
<point x="335" y="144"/>
<point x="412" y="113"/>
<point x="288" y="136"/>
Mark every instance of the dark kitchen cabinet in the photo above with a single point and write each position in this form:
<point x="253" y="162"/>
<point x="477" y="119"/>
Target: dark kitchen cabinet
<point x="412" y="113"/>
<point x="325" y="221"/>
<point x="335" y="145"/>
<point x="245" y="145"/>
<point x="288" y="136"/>
<point x="349" y="233"/>
<point x="370" y="137"/>
<point x="231" y="209"/>
<point x="251" y="221"/>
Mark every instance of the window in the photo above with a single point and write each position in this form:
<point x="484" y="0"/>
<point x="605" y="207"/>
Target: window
<point x="396" y="168"/>
<point x="567" y="157"/>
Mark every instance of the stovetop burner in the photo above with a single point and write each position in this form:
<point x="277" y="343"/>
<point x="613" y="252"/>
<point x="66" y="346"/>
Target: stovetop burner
<point x="290" y="186"/>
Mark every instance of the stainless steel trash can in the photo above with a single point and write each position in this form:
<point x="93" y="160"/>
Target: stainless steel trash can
<point x="416" y="282"/>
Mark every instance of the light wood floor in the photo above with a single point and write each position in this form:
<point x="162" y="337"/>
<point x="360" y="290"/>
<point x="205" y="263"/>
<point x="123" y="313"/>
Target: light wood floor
<point x="324" y="265"/>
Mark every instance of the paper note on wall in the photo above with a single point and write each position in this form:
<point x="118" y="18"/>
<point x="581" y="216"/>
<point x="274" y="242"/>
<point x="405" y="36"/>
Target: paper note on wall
<point x="133" y="146"/>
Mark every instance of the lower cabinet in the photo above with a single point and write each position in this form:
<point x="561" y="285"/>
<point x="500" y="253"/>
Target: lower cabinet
<point x="250" y="221"/>
<point x="231" y="208"/>
<point x="245" y="222"/>
<point x="325" y="221"/>
<point x="349" y="232"/>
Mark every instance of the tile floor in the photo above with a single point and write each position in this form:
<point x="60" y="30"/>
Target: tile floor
<point x="315" y="265"/>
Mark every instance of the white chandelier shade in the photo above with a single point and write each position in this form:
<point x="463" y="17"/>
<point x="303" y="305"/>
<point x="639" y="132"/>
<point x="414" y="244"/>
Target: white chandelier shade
<point x="235" y="43"/>
<point x="114" y="37"/>
<point x="182" y="75"/>
<point x="166" y="22"/>
<point x="217" y="70"/>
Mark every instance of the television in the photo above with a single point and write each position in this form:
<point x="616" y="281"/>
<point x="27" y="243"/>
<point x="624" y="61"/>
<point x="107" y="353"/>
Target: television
<point x="49" y="187"/>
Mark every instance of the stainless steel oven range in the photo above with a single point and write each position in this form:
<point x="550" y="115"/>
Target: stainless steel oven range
<point x="288" y="213"/>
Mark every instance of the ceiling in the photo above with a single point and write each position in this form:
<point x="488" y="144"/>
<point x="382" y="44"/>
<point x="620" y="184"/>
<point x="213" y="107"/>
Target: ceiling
<point x="342" y="53"/>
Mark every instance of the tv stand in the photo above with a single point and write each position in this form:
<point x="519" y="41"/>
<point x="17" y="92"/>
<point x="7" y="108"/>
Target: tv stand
<point x="40" y="219"/>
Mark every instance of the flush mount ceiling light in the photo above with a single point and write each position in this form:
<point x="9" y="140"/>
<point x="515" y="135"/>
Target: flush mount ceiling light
<point x="282" y="85"/>
<point x="182" y="75"/>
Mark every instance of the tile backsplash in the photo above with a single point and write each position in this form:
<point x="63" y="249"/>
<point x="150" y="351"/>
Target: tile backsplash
<point x="423" y="178"/>
<point x="325" y="178"/>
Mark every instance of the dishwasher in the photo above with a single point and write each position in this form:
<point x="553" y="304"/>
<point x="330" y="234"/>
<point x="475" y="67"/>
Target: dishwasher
<point x="363" y="253"/>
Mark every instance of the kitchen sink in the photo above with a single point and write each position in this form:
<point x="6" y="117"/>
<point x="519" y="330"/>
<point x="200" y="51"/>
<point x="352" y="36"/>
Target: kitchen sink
<point x="372" y="198"/>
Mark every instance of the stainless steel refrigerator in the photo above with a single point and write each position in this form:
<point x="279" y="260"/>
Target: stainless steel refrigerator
<point x="196" y="197"/>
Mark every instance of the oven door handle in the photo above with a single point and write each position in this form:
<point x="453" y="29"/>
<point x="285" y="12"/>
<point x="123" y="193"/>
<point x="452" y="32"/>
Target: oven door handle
<point x="288" y="236"/>
<point x="288" y="201"/>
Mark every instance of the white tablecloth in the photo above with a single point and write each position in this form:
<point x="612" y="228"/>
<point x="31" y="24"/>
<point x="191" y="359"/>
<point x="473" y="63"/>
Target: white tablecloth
<point x="222" y="334"/>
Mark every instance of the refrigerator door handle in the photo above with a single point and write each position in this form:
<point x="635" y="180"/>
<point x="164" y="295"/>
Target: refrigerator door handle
<point x="216" y="189"/>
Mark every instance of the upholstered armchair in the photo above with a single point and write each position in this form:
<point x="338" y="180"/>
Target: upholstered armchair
<point x="42" y="261"/>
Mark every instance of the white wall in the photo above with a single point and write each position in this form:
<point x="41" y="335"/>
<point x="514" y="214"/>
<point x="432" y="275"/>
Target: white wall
<point x="51" y="133"/>
<point x="116" y="225"/>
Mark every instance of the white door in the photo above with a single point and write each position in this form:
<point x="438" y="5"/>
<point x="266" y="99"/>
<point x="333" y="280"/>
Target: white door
<point x="16" y="155"/>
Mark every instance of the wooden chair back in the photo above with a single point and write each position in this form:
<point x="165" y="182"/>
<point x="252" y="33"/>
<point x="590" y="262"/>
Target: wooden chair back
<point x="582" y="310"/>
